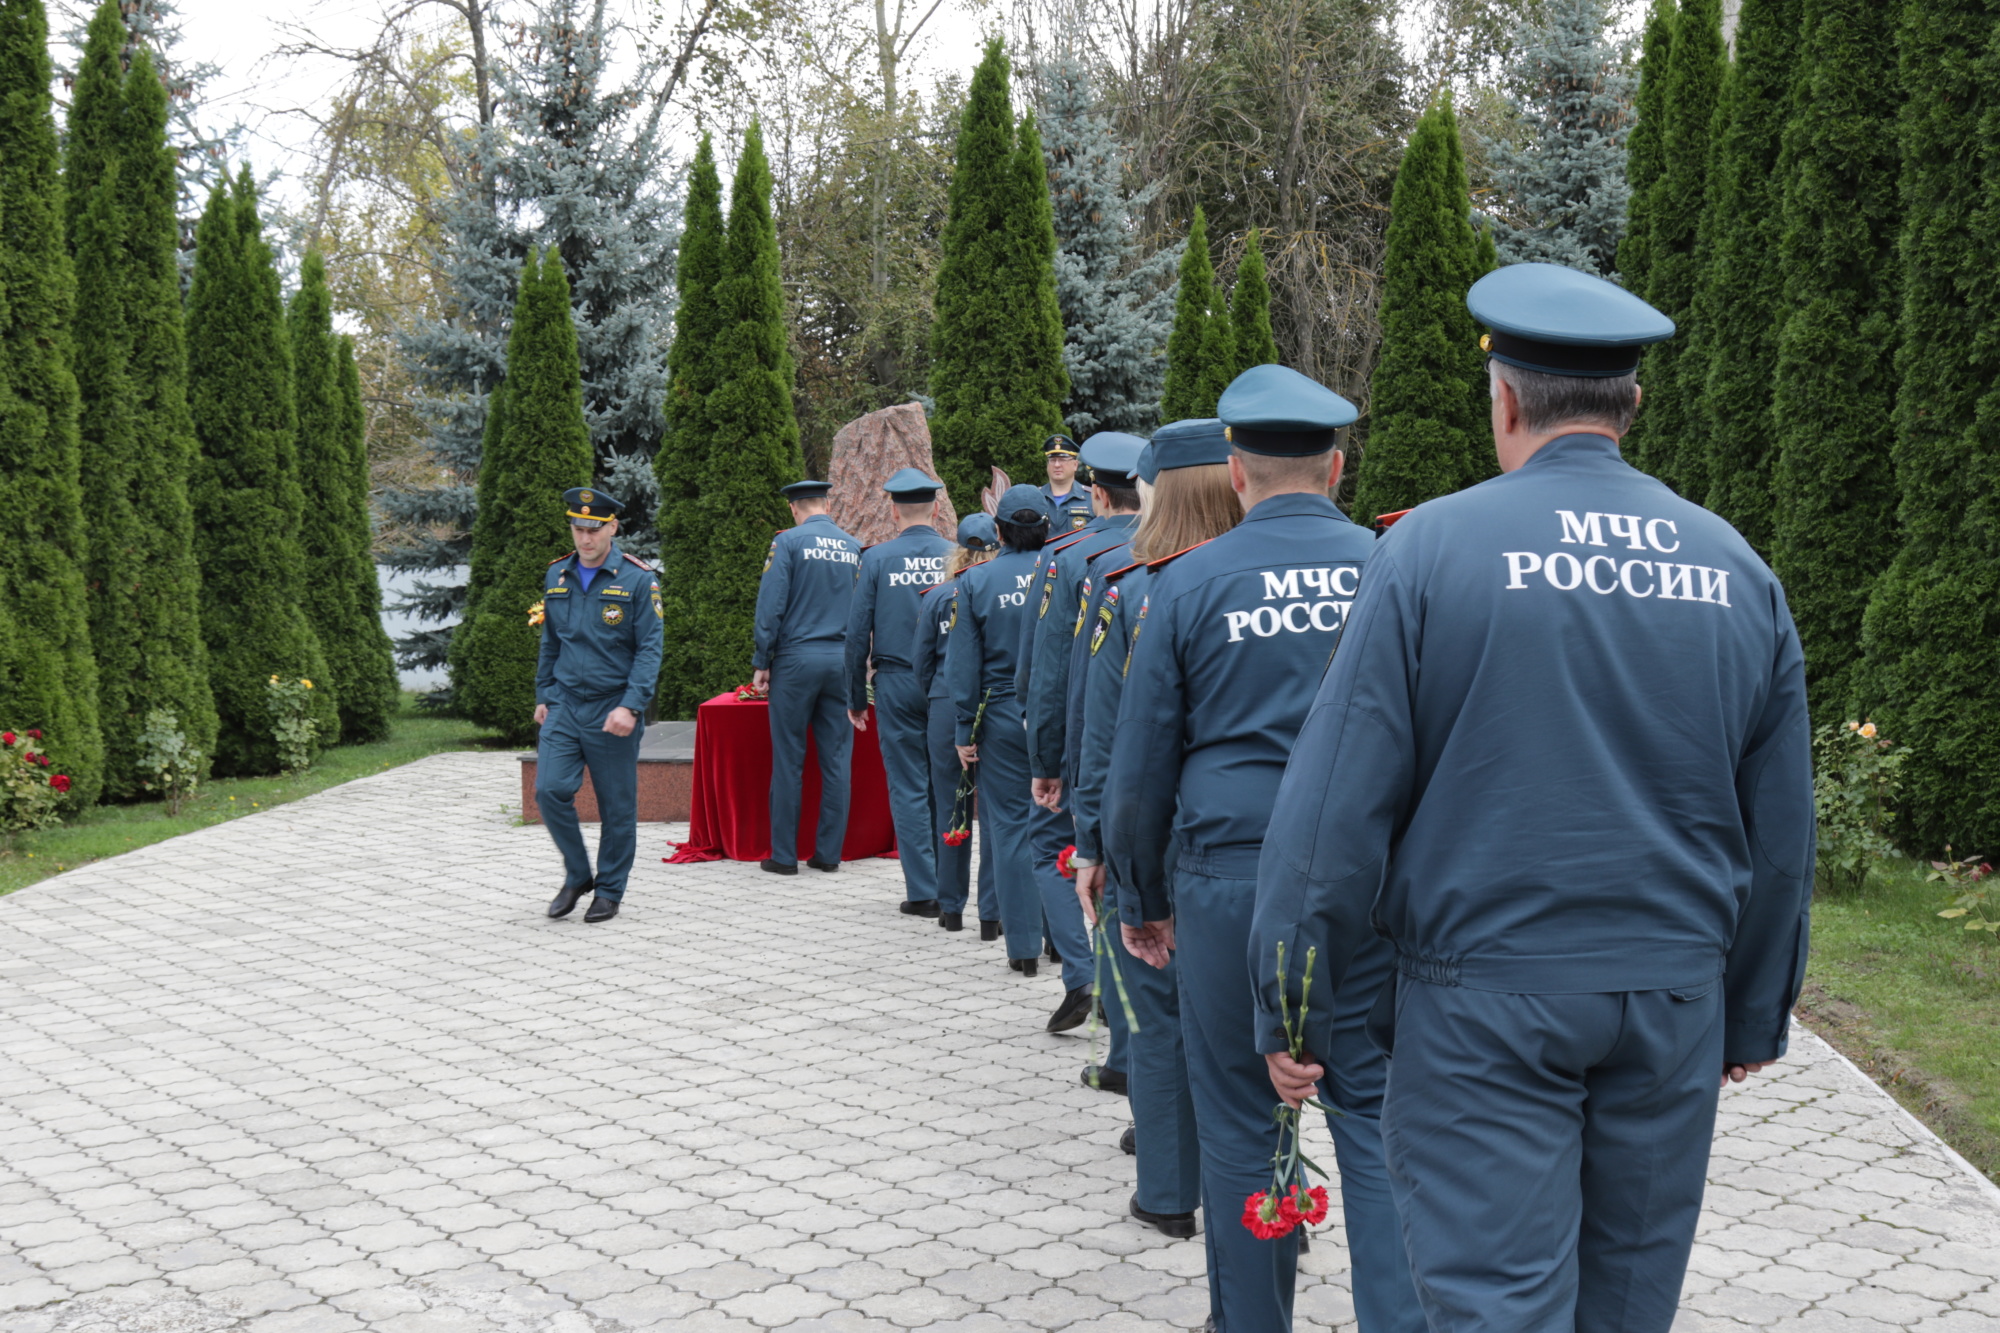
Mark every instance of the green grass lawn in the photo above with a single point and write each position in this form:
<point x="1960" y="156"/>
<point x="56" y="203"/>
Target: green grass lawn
<point x="108" y="830"/>
<point x="1915" y="1001"/>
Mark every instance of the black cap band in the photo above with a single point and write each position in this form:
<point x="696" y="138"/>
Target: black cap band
<point x="1561" y="358"/>
<point x="1283" y="443"/>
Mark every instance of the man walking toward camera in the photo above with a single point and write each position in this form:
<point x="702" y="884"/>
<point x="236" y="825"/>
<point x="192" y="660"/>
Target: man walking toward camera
<point x="600" y="660"/>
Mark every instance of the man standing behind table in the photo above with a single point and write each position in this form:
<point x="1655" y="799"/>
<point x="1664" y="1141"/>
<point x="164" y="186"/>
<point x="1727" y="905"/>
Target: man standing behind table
<point x="1069" y="503"/>
<point x="1562" y="764"/>
<point x="1231" y="641"/>
<point x="802" y="606"/>
<point x="881" y="631"/>
<point x="599" y="664"/>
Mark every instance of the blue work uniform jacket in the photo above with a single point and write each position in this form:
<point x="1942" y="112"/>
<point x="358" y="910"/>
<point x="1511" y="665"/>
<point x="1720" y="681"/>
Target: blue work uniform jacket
<point x="1059" y="613"/>
<point x="1563" y="749"/>
<point x="807" y="588"/>
<point x="1094" y="620"/>
<point x="987" y="615"/>
<point x="601" y="642"/>
<point x="1045" y="582"/>
<point x="1072" y="511"/>
<point x="1107" y="652"/>
<point x="1230" y="645"/>
<point x="882" y="621"/>
<point x="929" y="637"/>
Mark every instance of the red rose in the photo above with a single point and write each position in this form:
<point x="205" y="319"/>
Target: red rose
<point x="6" y="738"/>
<point x="42" y="759"/>
<point x="34" y="735"/>
<point x="1067" y="870"/>
<point x="1265" y="1219"/>
<point x="60" y="782"/>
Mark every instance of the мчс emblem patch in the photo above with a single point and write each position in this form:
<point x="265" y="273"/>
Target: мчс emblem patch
<point x="612" y="612"/>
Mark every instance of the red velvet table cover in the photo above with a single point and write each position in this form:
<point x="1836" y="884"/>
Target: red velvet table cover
<point x="730" y="813"/>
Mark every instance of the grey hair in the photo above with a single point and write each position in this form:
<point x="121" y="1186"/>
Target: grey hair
<point x="1549" y="401"/>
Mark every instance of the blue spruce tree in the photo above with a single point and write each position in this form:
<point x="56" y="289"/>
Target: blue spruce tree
<point x="1117" y="305"/>
<point x="1563" y="183"/>
<point x="575" y="162"/>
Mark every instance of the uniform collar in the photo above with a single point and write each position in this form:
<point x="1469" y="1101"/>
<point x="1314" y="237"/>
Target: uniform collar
<point x="816" y="518"/>
<point x="916" y="529"/>
<point x="1295" y="502"/>
<point x="1583" y="444"/>
<point x="1117" y="522"/>
<point x="612" y="559"/>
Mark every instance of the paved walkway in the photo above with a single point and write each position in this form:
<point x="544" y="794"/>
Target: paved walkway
<point x="329" y="1068"/>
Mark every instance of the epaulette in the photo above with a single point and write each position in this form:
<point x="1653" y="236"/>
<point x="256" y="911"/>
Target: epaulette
<point x="933" y="588"/>
<point x="635" y="560"/>
<point x="1383" y="522"/>
<point x="1118" y="574"/>
<point x="1054" y="549"/>
<point x="1168" y="559"/>
<point x="564" y="556"/>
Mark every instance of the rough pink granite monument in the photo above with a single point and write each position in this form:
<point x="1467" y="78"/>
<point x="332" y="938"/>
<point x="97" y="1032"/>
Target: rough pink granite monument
<point x="866" y="451"/>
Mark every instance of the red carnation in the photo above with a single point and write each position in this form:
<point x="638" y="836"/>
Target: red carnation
<point x="1063" y="862"/>
<point x="957" y="836"/>
<point x="60" y="782"/>
<point x="34" y="735"/>
<point x="1266" y="1220"/>
<point x="6" y="738"/>
<point x="1314" y="1200"/>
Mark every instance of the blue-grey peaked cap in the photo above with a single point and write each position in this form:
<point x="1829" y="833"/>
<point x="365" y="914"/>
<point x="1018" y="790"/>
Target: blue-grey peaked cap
<point x="1024" y="506"/>
<point x="1275" y="410"/>
<point x="589" y="507"/>
<point x="1148" y="469"/>
<point x="805" y="490"/>
<point x="1562" y="321"/>
<point x="1190" y="443"/>
<point x="976" y="532"/>
<point x="1115" y="453"/>
<point x="911" y="486"/>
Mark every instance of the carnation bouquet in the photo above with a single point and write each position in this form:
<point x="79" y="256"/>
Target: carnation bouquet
<point x="1288" y="1204"/>
<point x="960" y="831"/>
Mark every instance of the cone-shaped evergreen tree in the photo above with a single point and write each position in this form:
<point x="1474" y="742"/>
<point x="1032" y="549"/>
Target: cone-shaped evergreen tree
<point x="372" y="692"/>
<point x="689" y="437"/>
<point x="544" y="449"/>
<point x="1424" y="437"/>
<point x="1646" y="146"/>
<point x="166" y="605"/>
<point x="48" y="677"/>
<point x="1931" y="678"/>
<point x="1201" y="350"/>
<point x="332" y="474"/>
<point x="247" y="499"/>
<point x="1832" y="482"/>
<point x="1741" y="288"/>
<point x="997" y="370"/>
<point x="752" y="366"/>
<point x="1250" y="310"/>
<point x="1667" y="440"/>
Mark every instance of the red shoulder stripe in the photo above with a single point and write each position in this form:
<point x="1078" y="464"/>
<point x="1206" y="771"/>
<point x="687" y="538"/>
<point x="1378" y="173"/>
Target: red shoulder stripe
<point x="1165" y="559"/>
<point x="1383" y="522"/>
<point x="1117" y="574"/>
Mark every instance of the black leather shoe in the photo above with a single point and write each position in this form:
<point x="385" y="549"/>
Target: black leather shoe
<point x="779" y="867"/>
<point x="1177" y="1225"/>
<point x="1072" y="1012"/>
<point x="828" y="866"/>
<point x="1025" y="966"/>
<point x="566" y="899"/>
<point x="989" y="930"/>
<point x="1305" y="1241"/>
<point x="1104" y="1080"/>
<point x="928" y="907"/>
<point x="1049" y="947"/>
<point x="1128" y="1142"/>
<point x="601" y="909"/>
<point x="951" y="920"/>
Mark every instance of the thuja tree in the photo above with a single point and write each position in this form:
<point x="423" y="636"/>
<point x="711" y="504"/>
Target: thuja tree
<point x="1117" y="303"/>
<point x="740" y="507"/>
<point x="339" y="589"/>
<point x="690" y="379"/>
<point x="1563" y="186"/>
<point x="1932" y="672"/>
<point x="1741" y="288"/>
<point x="1250" y="310"/>
<point x="997" y="372"/>
<point x="543" y="449"/>
<point x="247" y="499"/>
<point x="1201" y="351"/>
<point x="1426" y="437"/>
<point x="48" y="677"/>
<point x="1646" y="146"/>
<point x="1667" y="439"/>
<point x="1833" y="485"/>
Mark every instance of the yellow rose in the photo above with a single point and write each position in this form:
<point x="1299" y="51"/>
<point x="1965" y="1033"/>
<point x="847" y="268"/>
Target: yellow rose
<point x="308" y="684"/>
<point x="1854" y="726"/>
<point x="1868" y="730"/>
<point x="274" y="680"/>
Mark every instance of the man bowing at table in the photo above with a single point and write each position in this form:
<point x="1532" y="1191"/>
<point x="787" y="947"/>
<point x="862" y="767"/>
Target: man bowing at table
<point x="802" y="606"/>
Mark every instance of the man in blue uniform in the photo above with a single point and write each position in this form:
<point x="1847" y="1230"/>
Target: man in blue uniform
<point x="1562" y="766"/>
<point x="978" y="535"/>
<point x="1048" y="700"/>
<point x="1066" y="500"/>
<point x="1233" y="639"/>
<point x="881" y="633"/>
<point x="599" y="664"/>
<point x="802" y="606"/>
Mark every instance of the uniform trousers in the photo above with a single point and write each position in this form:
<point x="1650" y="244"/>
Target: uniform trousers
<point x="1547" y="1152"/>
<point x="902" y="717"/>
<point x="1251" y="1281"/>
<point x="954" y="864"/>
<point x="1049" y="832"/>
<point x="1154" y="1060"/>
<point x="572" y="740"/>
<point x="1005" y="804"/>
<point x="809" y="691"/>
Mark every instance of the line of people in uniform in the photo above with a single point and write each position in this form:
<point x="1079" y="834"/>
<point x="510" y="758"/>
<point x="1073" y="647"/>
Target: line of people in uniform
<point x="1543" y="822"/>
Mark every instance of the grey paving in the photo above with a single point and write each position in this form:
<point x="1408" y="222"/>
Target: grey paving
<point x="328" y="1068"/>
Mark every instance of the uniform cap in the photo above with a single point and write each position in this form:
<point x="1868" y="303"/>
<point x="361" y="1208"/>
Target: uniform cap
<point x="1190" y="443"/>
<point x="1275" y="410"/>
<point x="1024" y="506"/>
<point x="1148" y="467"/>
<point x="1061" y="445"/>
<point x="806" y="490"/>
<point x="1112" y="457"/>
<point x="589" y="507"/>
<point x="1561" y="321"/>
<point x="976" y="532"/>
<point x="911" y="486"/>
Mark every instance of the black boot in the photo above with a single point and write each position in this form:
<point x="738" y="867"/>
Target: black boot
<point x="928" y="907"/>
<point x="1178" y="1225"/>
<point x="1049" y="947"/>
<point x="1104" y="1080"/>
<point x="566" y="899"/>
<point x="1128" y="1142"/>
<point x="988" y="930"/>
<point x="951" y="920"/>
<point x="828" y="866"/>
<point x="1072" y="1012"/>
<point x="778" y="867"/>
<point x="1025" y="966"/>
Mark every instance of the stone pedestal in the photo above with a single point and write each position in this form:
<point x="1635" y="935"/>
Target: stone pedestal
<point x="866" y="452"/>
